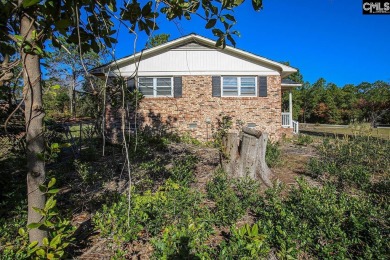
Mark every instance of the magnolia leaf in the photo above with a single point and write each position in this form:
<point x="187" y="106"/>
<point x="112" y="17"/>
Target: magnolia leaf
<point x="257" y="4"/>
<point x="211" y="23"/>
<point x="112" y="6"/>
<point x="221" y="42"/>
<point x="217" y="32"/>
<point x="34" y="225"/>
<point x="28" y="3"/>
<point x="40" y="252"/>
<point x="147" y="9"/>
<point x="230" y="17"/>
<point x="40" y="211"/>
<point x="45" y="241"/>
<point x="55" y="241"/>
<point x="18" y="37"/>
<point x="21" y="231"/>
<point x="50" y="203"/>
<point x="230" y="38"/>
<point x="255" y="230"/>
<point x="54" y="146"/>
<point x="48" y="224"/>
<point x="33" y="244"/>
<point x="51" y="183"/>
<point x="53" y="191"/>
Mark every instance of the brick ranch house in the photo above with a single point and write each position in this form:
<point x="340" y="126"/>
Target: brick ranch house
<point x="188" y="83"/>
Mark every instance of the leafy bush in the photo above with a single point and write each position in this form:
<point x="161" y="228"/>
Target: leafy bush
<point x="150" y="211"/>
<point x="182" y="170"/>
<point x="60" y="232"/>
<point x="224" y="124"/>
<point x="228" y="207"/>
<point x="359" y="162"/>
<point x="247" y="190"/>
<point x="323" y="223"/>
<point x="187" y="242"/>
<point x="245" y="243"/>
<point x="273" y="154"/>
<point x="303" y="139"/>
<point x="112" y="221"/>
<point x="218" y="185"/>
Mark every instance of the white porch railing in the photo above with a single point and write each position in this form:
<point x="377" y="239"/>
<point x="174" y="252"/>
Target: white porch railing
<point x="295" y="127"/>
<point x="286" y="122"/>
<point x="285" y="119"/>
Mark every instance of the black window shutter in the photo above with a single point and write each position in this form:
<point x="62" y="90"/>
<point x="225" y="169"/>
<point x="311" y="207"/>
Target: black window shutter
<point x="262" y="82"/>
<point x="177" y="87"/>
<point x="131" y="84"/>
<point x="216" y="88"/>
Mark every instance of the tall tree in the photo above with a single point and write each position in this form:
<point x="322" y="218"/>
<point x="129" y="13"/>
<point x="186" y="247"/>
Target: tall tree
<point x="69" y="69"/>
<point x="32" y="23"/>
<point x="374" y="100"/>
<point x="157" y="40"/>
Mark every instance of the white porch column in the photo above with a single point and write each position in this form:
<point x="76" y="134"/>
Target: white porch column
<point x="290" y="108"/>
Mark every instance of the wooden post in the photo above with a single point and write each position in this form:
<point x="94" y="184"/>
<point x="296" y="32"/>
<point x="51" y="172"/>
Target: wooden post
<point x="244" y="155"/>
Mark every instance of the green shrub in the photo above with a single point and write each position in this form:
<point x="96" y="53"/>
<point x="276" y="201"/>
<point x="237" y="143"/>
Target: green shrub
<point x="60" y="232"/>
<point x="112" y="221"/>
<point x="247" y="190"/>
<point x="186" y="242"/>
<point x="323" y="223"/>
<point x="353" y="162"/>
<point x="304" y="139"/>
<point x="218" y="185"/>
<point x="228" y="206"/>
<point x="244" y="243"/>
<point x="182" y="170"/>
<point x="273" y="154"/>
<point x="150" y="211"/>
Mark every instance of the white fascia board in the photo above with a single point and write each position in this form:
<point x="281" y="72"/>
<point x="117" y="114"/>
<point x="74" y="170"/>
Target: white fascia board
<point x="198" y="73"/>
<point x="283" y="69"/>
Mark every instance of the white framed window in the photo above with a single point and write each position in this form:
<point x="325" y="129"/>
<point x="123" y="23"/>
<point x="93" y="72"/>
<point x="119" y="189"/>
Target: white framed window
<point x="233" y="86"/>
<point x="156" y="86"/>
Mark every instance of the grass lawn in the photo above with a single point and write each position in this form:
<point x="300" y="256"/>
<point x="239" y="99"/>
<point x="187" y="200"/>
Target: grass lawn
<point x="363" y="129"/>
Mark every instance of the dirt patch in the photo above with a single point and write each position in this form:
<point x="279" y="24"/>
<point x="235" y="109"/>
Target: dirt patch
<point x="207" y="164"/>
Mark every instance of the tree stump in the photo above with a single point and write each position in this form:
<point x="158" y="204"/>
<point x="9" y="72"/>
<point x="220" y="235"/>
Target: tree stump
<point x="244" y="155"/>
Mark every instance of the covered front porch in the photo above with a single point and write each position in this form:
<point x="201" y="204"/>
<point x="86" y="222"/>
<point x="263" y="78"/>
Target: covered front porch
<point x="287" y="116"/>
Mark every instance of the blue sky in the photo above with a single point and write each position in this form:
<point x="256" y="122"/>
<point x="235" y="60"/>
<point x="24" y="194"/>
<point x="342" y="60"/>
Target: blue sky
<point x="323" y="38"/>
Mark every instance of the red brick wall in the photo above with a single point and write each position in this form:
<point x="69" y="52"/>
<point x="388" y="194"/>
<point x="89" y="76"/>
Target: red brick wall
<point x="197" y="105"/>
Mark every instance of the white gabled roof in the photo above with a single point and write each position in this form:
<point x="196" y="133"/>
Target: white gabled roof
<point x="284" y="70"/>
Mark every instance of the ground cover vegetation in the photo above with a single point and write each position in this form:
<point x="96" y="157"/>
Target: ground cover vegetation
<point x="171" y="216"/>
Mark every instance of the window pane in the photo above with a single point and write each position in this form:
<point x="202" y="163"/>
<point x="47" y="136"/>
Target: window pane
<point x="229" y="81"/>
<point x="145" y="81"/>
<point x="147" y="91"/>
<point x="146" y="86"/>
<point x="164" y="82"/>
<point x="230" y="91"/>
<point x="230" y="86"/>
<point x="164" y="91"/>
<point x="248" y="91"/>
<point x="246" y="82"/>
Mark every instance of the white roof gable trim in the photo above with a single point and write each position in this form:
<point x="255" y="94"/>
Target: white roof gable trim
<point x="127" y="63"/>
